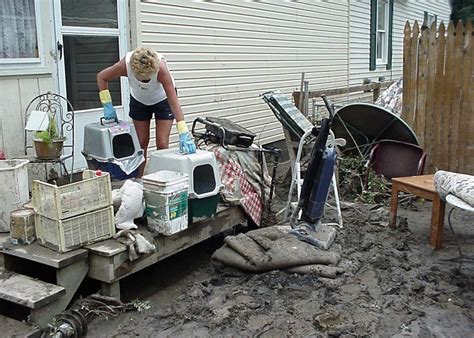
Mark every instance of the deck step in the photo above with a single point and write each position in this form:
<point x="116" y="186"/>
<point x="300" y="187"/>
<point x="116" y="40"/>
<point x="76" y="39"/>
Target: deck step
<point x="37" y="253"/>
<point x="27" y="291"/>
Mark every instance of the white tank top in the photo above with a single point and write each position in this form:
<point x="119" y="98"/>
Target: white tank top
<point x="148" y="93"/>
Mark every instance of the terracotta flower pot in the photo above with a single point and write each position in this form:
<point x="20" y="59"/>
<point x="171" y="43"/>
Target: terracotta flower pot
<point x="51" y="151"/>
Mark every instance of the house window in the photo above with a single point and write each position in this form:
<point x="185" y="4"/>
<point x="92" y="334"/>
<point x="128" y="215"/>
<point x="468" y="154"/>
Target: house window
<point x="18" y="31"/>
<point x="381" y="22"/>
<point x="382" y="31"/>
<point x="428" y="19"/>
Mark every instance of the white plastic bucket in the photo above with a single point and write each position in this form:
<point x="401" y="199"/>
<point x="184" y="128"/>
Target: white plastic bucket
<point x="165" y="181"/>
<point x="166" y="197"/>
<point x="14" y="192"/>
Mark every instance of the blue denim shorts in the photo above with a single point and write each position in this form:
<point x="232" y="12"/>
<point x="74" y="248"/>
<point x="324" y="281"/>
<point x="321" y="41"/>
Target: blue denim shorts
<point x="142" y="112"/>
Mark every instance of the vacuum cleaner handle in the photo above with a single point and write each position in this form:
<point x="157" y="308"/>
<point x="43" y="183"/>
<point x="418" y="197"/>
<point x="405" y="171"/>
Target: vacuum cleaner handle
<point x="329" y="106"/>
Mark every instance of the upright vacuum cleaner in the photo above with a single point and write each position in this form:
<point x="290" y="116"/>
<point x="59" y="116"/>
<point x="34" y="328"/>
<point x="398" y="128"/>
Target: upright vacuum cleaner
<point x="315" y="188"/>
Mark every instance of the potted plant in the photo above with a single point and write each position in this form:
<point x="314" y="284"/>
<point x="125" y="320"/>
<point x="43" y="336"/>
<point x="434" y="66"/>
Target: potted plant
<point x="49" y="143"/>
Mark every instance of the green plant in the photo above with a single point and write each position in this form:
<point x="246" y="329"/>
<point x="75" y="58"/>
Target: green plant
<point x="51" y="134"/>
<point x="352" y="173"/>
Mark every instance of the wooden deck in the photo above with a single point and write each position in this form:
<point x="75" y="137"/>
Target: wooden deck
<point x="109" y="260"/>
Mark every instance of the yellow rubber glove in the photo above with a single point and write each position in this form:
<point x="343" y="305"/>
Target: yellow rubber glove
<point x="186" y="142"/>
<point x="109" y="109"/>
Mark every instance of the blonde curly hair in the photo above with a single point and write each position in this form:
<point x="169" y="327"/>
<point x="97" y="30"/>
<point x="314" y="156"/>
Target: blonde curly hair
<point x="144" y="62"/>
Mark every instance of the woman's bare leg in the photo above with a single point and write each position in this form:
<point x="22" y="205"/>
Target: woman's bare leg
<point x="163" y="130"/>
<point x="143" y="133"/>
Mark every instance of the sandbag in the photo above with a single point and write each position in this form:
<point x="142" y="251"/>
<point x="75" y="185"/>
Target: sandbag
<point x="316" y="269"/>
<point x="269" y="249"/>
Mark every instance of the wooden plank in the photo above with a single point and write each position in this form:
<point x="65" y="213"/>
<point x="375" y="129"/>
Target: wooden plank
<point x="422" y="84"/>
<point x="447" y="104"/>
<point x="430" y="110"/>
<point x="439" y="98"/>
<point x="107" y="248"/>
<point x="424" y="182"/>
<point x="470" y="147"/>
<point x="343" y="90"/>
<point x="27" y="291"/>
<point x="113" y="268"/>
<point x="456" y="98"/>
<point x="197" y="233"/>
<point x="467" y="102"/>
<point x="411" y="91"/>
<point x="407" y="56"/>
<point x="37" y="253"/>
<point x="102" y="268"/>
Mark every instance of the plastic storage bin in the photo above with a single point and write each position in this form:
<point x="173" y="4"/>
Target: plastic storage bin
<point x="116" y="173"/>
<point x="109" y="143"/>
<point x="15" y="192"/>
<point x="72" y="233"/>
<point x="59" y="202"/>
<point x="201" y="168"/>
<point x="166" y="197"/>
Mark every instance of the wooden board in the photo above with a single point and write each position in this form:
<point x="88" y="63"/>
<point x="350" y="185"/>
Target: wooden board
<point x="430" y="111"/>
<point x="466" y="114"/>
<point x="438" y="98"/>
<point x="109" y="262"/>
<point x="107" y="248"/>
<point x="456" y="97"/>
<point x="37" y="253"/>
<point x="27" y="291"/>
<point x="422" y="86"/>
<point x="424" y="182"/>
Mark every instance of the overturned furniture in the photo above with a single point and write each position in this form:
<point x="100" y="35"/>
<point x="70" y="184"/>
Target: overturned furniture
<point x="297" y="126"/>
<point x="363" y="125"/>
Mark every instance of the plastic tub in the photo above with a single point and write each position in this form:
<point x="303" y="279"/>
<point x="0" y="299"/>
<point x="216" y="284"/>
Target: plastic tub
<point x="15" y="192"/>
<point x="166" y="197"/>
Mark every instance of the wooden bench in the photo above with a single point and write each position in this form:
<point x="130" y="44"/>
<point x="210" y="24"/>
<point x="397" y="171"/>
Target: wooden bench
<point x="420" y="186"/>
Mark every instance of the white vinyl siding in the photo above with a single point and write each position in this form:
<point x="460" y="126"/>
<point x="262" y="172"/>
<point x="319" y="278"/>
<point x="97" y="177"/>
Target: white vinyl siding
<point x="224" y="55"/>
<point x="19" y="83"/>
<point x="410" y="10"/>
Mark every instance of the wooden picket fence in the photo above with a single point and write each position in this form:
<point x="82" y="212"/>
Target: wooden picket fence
<point x="438" y="93"/>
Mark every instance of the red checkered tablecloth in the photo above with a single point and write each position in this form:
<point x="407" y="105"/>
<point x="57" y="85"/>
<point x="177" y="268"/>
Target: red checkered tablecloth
<point x="235" y="182"/>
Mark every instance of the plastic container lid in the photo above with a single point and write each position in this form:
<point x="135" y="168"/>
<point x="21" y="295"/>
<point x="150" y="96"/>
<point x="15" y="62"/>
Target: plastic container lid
<point x="165" y="176"/>
<point x="164" y="180"/>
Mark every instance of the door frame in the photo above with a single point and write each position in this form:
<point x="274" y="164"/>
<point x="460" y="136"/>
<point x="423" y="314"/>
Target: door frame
<point x="59" y="73"/>
<point x="120" y="32"/>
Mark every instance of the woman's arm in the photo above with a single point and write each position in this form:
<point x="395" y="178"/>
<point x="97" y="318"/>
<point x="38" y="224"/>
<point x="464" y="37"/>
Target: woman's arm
<point x="164" y="77"/>
<point x="111" y="73"/>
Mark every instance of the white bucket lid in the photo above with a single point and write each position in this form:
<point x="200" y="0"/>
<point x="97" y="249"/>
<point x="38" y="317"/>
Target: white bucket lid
<point x="165" y="177"/>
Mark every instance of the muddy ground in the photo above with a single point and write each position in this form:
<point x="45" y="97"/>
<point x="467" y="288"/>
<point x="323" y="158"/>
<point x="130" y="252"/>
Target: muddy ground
<point x="394" y="285"/>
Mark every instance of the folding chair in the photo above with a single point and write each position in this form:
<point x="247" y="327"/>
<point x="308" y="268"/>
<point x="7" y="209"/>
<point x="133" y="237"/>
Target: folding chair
<point x="295" y="123"/>
<point x="392" y="158"/>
